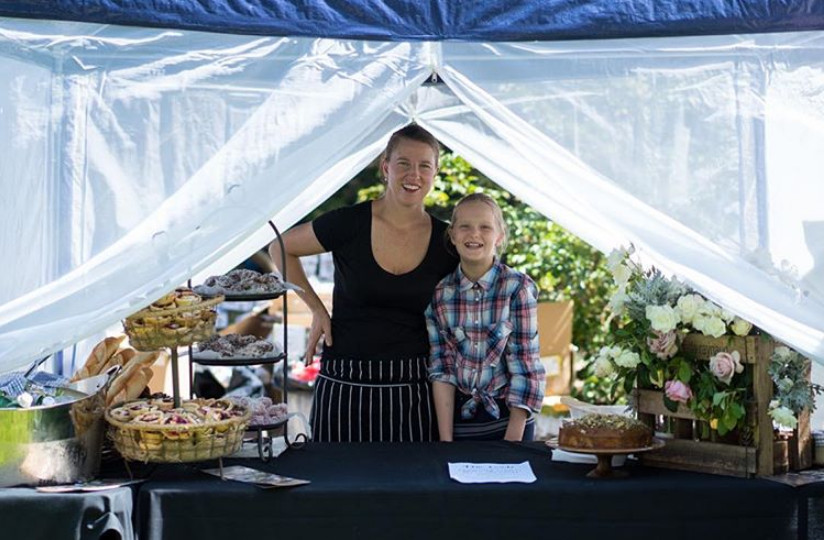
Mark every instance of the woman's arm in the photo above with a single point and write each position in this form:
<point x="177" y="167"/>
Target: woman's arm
<point x="299" y="242"/>
<point x="444" y="399"/>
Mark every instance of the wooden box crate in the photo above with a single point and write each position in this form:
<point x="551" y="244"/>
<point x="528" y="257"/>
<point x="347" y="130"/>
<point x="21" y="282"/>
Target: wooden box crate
<point x="761" y="456"/>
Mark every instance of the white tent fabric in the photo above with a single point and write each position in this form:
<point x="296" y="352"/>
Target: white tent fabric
<point x="138" y="158"/>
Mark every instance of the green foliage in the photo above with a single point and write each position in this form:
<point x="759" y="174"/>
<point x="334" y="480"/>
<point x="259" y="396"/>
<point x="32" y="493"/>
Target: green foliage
<point x="654" y="289"/>
<point x="790" y="373"/>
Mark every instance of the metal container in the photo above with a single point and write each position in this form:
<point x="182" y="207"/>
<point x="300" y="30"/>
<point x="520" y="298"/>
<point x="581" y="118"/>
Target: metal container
<point x="56" y="444"/>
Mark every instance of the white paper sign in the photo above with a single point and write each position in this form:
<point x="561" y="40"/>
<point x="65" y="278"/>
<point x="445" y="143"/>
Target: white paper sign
<point x="490" y="473"/>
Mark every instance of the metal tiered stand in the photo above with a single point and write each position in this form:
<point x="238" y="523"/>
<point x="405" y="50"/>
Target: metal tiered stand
<point x="263" y="439"/>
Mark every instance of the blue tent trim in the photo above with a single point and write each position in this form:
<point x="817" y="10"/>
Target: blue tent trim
<point x="438" y="20"/>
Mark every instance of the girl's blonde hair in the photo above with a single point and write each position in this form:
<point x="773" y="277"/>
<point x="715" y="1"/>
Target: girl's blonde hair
<point x="497" y="214"/>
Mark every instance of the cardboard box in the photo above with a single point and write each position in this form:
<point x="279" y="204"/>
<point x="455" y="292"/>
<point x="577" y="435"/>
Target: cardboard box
<point x="296" y="306"/>
<point x="555" y="320"/>
<point x="296" y="337"/>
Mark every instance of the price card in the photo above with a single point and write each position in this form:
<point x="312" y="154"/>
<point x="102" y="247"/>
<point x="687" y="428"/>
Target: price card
<point x="262" y="479"/>
<point x="491" y="473"/>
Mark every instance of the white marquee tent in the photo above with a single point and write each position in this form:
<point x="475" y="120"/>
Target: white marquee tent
<point x="149" y="145"/>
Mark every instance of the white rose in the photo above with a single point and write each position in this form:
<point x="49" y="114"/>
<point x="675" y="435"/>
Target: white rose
<point x="628" y="359"/>
<point x="662" y="318"/>
<point x="726" y="315"/>
<point x="622" y="274"/>
<point x="603" y="367"/>
<point x="784" y="417"/>
<point x="713" y="326"/>
<point x="615" y="258"/>
<point x="617" y="301"/>
<point x="708" y="309"/>
<point x="687" y="306"/>
<point x="740" y="327"/>
<point x="615" y="351"/>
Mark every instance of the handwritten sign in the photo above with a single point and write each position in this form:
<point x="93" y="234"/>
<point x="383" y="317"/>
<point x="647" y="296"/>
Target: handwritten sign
<point x="491" y="473"/>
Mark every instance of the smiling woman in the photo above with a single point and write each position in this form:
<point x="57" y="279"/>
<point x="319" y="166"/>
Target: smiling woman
<point x="389" y="254"/>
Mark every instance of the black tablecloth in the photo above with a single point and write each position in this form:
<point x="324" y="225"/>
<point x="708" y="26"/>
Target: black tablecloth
<point x="26" y="514"/>
<point x="404" y="491"/>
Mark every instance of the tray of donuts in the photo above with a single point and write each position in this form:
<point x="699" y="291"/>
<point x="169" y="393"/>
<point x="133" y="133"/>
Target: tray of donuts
<point x="152" y="430"/>
<point x="181" y="317"/>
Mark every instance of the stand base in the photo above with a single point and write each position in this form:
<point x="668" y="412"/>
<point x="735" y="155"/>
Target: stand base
<point x="604" y="468"/>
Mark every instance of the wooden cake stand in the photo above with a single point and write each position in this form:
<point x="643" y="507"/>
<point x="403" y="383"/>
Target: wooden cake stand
<point x="604" y="468"/>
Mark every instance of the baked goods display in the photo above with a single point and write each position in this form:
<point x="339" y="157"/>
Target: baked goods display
<point x="100" y="358"/>
<point x="264" y="411"/>
<point x="173" y="431"/>
<point x="234" y="346"/>
<point x="242" y="282"/>
<point x="154" y="430"/>
<point x="178" y="318"/>
<point x="135" y="372"/>
<point x="604" y="432"/>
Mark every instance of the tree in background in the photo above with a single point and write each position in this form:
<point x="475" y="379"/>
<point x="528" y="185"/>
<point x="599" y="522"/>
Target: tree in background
<point x="563" y="266"/>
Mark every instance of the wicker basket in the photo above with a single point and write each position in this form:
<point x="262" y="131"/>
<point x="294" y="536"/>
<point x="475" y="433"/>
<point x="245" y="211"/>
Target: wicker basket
<point x="153" y="329"/>
<point x="176" y="443"/>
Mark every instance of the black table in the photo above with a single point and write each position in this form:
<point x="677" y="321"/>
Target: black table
<point x="403" y="491"/>
<point x="28" y="514"/>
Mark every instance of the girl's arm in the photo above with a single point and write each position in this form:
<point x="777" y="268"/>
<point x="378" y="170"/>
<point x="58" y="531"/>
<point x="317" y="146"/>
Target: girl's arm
<point x="444" y="398"/>
<point x="515" y="426"/>
<point x="527" y="376"/>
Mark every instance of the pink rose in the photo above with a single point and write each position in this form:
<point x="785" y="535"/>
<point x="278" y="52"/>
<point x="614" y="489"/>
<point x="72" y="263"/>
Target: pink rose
<point x="723" y="365"/>
<point x="678" y="391"/>
<point x="664" y="345"/>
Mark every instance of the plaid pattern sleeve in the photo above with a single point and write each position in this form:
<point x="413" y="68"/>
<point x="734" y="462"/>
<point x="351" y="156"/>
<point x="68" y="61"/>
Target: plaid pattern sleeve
<point x="442" y="356"/>
<point x="527" y="375"/>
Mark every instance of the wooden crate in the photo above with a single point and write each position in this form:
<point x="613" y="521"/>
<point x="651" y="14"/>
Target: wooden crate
<point x="685" y="451"/>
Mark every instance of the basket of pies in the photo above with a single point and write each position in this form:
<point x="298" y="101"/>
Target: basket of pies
<point x="152" y="430"/>
<point x="178" y="318"/>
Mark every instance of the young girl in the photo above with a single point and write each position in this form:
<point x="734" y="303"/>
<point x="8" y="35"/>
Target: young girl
<point x="483" y="335"/>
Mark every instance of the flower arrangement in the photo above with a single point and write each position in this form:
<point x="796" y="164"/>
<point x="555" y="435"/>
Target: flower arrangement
<point x="651" y="316"/>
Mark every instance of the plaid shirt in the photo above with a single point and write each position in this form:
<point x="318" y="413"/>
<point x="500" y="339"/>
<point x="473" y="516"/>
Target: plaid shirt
<point x="484" y="339"/>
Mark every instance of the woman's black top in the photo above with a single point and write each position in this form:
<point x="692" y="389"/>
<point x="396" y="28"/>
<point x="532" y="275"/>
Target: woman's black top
<point x="377" y="314"/>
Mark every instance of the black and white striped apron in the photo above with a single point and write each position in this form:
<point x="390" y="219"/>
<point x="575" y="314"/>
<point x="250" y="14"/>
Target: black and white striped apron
<point x="373" y="400"/>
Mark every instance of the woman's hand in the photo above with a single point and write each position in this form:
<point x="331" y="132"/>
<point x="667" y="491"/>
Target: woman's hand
<point x="321" y="326"/>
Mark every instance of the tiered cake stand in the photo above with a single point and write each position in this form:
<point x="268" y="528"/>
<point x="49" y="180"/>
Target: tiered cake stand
<point x="264" y="441"/>
<point x="604" y="467"/>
